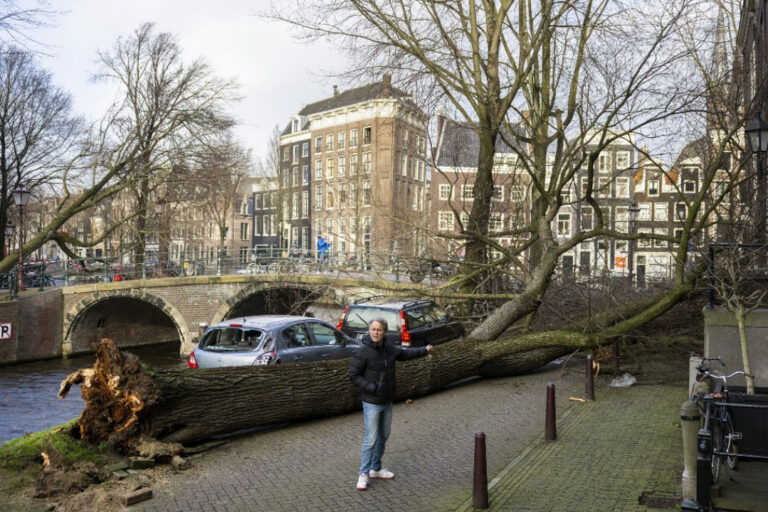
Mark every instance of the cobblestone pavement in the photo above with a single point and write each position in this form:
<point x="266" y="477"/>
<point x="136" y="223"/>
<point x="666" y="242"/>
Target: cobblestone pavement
<point x="608" y="454"/>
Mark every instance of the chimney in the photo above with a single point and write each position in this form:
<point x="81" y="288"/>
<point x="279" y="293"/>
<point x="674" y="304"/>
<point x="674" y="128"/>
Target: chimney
<point x="335" y="90"/>
<point x="386" y="85"/>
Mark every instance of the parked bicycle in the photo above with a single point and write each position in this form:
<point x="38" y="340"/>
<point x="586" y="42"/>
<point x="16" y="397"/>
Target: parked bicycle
<point x="717" y="419"/>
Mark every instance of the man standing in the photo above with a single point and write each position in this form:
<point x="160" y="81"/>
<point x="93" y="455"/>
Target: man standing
<point x="322" y="251"/>
<point x="373" y="371"/>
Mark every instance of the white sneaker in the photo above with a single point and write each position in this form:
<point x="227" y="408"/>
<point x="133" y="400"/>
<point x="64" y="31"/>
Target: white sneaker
<point x="362" y="482"/>
<point x="384" y="474"/>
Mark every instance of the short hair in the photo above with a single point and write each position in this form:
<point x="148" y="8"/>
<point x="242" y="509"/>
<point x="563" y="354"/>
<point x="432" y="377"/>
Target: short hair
<point x="381" y="321"/>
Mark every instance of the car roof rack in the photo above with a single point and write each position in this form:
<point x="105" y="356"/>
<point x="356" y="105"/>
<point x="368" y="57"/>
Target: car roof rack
<point x="415" y="302"/>
<point x="366" y="299"/>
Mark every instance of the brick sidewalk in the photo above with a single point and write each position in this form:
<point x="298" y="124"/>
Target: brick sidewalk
<point x="608" y="454"/>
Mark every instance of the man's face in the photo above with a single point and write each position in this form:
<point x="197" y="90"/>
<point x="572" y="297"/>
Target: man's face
<point x="376" y="331"/>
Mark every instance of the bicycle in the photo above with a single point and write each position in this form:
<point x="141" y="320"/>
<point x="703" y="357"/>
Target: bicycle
<point x="724" y="437"/>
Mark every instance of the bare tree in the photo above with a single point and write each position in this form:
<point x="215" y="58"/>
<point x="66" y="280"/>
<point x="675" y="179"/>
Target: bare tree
<point x="37" y="129"/>
<point x="169" y="108"/>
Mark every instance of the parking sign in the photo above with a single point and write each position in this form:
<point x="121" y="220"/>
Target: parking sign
<point x="5" y="331"/>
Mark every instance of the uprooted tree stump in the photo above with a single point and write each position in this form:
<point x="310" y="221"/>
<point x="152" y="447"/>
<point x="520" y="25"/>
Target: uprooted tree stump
<point x="125" y="401"/>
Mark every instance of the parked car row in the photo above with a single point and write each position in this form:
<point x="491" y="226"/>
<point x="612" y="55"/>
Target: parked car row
<point x="276" y="339"/>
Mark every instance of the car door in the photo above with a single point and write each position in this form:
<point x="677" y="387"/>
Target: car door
<point x="328" y="342"/>
<point x="296" y="344"/>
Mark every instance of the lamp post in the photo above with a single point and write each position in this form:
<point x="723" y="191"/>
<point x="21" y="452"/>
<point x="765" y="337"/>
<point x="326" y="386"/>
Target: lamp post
<point x="633" y="212"/>
<point x="757" y="133"/>
<point x="159" y="215"/>
<point x="9" y="229"/>
<point x="20" y="198"/>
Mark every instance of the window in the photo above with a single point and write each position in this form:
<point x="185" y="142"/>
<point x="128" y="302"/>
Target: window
<point x="329" y="168"/>
<point x="498" y="193"/>
<point x="318" y="169"/>
<point x="464" y="218"/>
<point x="342" y="195"/>
<point x="353" y="163"/>
<point x="405" y="139"/>
<point x="366" y="135"/>
<point x="467" y="192"/>
<point x="341" y="140"/>
<point x="564" y="224"/>
<point x="329" y="142"/>
<point x="286" y="153"/>
<point x="689" y="187"/>
<point x="305" y="172"/>
<point x="516" y="193"/>
<point x="295" y="206"/>
<point x="325" y="335"/>
<point x="243" y="255"/>
<point x="318" y="144"/>
<point x="257" y="225"/>
<point x="660" y="232"/>
<point x="296" y="176"/>
<point x="342" y="165"/>
<point x="445" y="221"/>
<point x="329" y="226"/>
<point x="653" y="188"/>
<point x="305" y="149"/>
<point x="622" y="160"/>
<point x="642" y="242"/>
<point x="404" y="165"/>
<point x="367" y="193"/>
<point x="243" y="231"/>
<point x="645" y="211"/>
<point x="621" y="219"/>
<point x="330" y="199"/>
<point x="445" y="191"/>
<point x="353" y="138"/>
<point x="604" y="187"/>
<point x="367" y="162"/>
<point x="681" y="211"/>
<point x="286" y="177"/>
<point x="296" y="153"/>
<point x="304" y="204"/>
<point x="604" y="162"/>
<point x="660" y="211"/>
<point x="587" y="218"/>
<point x="622" y="187"/>
<point x="584" y="186"/>
<point x="678" y="236"/>
<point x="318" y="197"/>
<point x="353" y="193"/>
<point x="296" y="336"/>
<point x="496" y="222"/>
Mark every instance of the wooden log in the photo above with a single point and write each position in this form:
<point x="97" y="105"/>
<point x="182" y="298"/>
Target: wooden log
<point x="187" y="406"/>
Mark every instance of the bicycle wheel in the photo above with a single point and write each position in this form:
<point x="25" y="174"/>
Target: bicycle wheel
<point x="718" y="443"/>
<point x="730" y="442"/>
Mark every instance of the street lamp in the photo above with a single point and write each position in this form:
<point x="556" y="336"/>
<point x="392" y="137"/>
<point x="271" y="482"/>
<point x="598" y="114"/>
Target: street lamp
<point x="9" y="228"/>
<point x="633" y="213"/>
<point x="159" y="214"/>
<point x="21" y="198"/>
<point x="757" y="133"/>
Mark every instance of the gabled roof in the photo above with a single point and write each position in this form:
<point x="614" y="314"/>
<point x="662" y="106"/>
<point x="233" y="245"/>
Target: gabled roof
<point x="694" y="149"/>
<point x="352" y="96"/>
<point x="460" y="145"/>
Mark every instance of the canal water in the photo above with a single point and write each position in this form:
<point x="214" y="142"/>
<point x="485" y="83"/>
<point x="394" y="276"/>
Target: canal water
<point x="28" y="401"/>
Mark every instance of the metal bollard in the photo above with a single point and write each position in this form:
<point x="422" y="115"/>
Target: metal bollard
<point x="689" y="421"/>
<point x="550" y="424"/>
<point x="480" y="480"/>
<point x="590" y="380"/>
<point x="704" y="469"/>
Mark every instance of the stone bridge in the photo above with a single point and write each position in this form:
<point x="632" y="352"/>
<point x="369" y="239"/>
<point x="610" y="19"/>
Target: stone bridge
<point x="67" y="321"/>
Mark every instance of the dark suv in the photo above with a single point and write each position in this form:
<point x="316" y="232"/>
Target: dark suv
<point x="411" y="323"/>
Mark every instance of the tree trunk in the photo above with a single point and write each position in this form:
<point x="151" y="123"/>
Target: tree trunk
<point x="125" y="401"/>
<point x="741" y="322"/>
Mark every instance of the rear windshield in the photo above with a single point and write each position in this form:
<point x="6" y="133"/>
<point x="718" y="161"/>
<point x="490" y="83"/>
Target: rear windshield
<point x="233" y="338"/>
<point x="359" y="318"/>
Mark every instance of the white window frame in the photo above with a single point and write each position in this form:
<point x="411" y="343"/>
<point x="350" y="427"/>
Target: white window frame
<point x="445" y="192"/>
<point x="644" y="212"/>
<point x="341" y="140"/>
<point x="661" y="211"/>
<point x="564" y="224"/>
<point x="329" y="142"/>
<point x="651" y="181"/>
<point x="604" y="162"/>
<point x="622" y="160"/>
<point x="622" y="187"/>
<point x="468" y="192"/>
<point x="445" y="221"/>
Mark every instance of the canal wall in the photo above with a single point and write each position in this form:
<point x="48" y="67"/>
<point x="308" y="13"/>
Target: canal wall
<point x="36" y="327"/>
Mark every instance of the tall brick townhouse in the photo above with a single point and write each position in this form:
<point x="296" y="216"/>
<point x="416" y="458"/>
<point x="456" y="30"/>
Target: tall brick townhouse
<point x="353" y="169"/>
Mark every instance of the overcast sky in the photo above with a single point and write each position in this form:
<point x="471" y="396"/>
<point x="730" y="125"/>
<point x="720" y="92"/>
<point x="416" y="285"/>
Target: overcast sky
<point x="277" y="74"/>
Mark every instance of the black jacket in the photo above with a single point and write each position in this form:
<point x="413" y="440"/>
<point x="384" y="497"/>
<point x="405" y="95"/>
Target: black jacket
<point x="373" y="368"/>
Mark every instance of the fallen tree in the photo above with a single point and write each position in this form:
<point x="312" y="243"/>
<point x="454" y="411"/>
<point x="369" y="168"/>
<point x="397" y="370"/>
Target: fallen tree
<point x="125" y="401"/>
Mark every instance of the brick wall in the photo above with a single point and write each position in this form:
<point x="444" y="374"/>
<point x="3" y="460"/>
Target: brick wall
<point x="9" y="314"/>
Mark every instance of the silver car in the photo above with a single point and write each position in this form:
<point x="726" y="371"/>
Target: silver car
<point x="270" y="339"/>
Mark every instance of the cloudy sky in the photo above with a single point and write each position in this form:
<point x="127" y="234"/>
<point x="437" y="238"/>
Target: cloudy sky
<point x="277" y="74"/>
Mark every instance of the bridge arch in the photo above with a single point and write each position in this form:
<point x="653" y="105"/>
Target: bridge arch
<point x="131" y="317"/>
<point x="278" y="298"/>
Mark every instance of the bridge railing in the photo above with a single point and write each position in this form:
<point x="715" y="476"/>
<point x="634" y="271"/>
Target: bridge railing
<point x="390" y="266"/>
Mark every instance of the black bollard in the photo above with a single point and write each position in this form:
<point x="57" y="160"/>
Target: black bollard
<point x="590" y="380"/>
<point x="550" y="424"/>
<point x="480" y="483"/>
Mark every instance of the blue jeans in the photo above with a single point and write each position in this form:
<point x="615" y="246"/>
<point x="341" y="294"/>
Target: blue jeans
<point x="378" y="422"/>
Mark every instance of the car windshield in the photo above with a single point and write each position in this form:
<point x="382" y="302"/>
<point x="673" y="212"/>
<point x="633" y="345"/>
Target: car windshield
<point x="359" y="318"/>
<point x="233" y="338"/>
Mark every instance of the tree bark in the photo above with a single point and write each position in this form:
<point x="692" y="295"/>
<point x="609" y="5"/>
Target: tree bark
<point x="125" y="402"/>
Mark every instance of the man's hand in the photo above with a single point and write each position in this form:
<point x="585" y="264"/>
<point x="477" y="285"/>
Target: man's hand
<point x="429" y="348"/>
